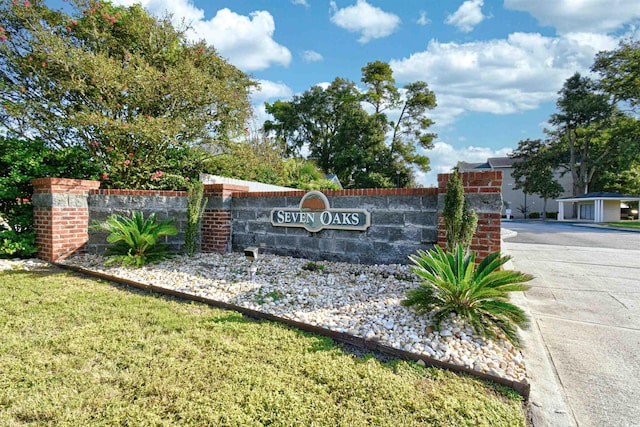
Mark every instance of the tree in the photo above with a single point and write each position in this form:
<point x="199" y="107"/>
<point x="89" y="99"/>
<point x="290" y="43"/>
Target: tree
<point x="534" y="173"/>
<point x="339" y="134"/>
<point x="305" y="175"/>
<point x="259" y="158"/>
<point x="23" y="160"/>
<point x="583" y="114"/>
<point x="619" y="172"/>
<point x="127" y="86"/>
<point x="382" y="92"/>
<point x="343" y="138"/>
<point x="410" y="130"/>
<point x="620" y="72"/>
<point x="20" y="162"/>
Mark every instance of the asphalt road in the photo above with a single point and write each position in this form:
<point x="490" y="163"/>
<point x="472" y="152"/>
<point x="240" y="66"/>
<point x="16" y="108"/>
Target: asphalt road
<point x="572" y="234"/>
<point x="583" y="350"/>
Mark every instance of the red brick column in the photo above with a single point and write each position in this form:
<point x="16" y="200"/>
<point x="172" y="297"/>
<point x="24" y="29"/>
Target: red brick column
<point x="216" y="220"/>
<point x="60" y="215"/>
<point x="483" y="192"/>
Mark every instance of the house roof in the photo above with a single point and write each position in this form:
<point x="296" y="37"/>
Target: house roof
<point x="464" y="166"/>
<point x="502" y="162"/>
<point x="334" y="178"/>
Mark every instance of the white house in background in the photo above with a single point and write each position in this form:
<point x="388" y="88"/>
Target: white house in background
<point x="601" y="206"/>
<point x="334" y="179"/>
<point x="515" y="200"/>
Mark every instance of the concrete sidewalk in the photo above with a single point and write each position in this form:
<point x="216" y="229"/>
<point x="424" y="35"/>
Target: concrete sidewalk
<point x="583" y="347"/>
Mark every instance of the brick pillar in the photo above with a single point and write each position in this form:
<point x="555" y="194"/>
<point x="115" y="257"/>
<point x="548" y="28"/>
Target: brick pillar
<point x="61" y="215"/>
<point x="216" y="220"/>
<point x="483" y="190"/>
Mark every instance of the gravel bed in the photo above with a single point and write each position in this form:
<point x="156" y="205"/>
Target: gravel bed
<point x="362" y="300"/>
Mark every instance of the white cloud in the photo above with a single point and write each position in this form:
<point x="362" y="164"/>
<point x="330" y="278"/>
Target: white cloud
<point x="444" y="157"/>
<point x="580" y="15"/>
<point x="247" y="41"/>
<point x="311" y="56"/>
<point x="501" y="76"/>
<point x="300" y="3"/>
<point x="423" y="20"/>
<point x="180" y="9"/>
<point x="468" y="15"/>
<point x="269" y="90"/>
<point x="371" y="22"/>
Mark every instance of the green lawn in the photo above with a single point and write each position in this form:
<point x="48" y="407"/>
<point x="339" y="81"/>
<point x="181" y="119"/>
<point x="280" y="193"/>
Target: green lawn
<point x="77" y="351"/>
<point x="625" y="224"/>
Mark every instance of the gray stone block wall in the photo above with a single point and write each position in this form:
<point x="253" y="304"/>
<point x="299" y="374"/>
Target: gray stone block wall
<point x="165" y="207"/>
<point x="400" y="225"/>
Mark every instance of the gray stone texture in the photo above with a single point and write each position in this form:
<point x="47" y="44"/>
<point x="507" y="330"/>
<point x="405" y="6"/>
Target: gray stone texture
<point x="400" y="225"/>
<point x="480" y="202"/>
<point x="165" y="207"/>
<point x="59" y="200"/>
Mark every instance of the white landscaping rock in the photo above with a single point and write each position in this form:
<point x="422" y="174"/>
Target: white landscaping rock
<point x="361" y="299"/>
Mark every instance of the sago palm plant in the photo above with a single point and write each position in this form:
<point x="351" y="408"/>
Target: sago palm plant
<point x="135" y="240"/>
<point x="452" y="284"/>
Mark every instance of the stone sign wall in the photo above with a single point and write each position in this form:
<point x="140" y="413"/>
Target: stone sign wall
<point x="401" y="221"/>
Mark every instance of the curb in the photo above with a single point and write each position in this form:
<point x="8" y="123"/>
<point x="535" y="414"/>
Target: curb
<point x="522" y="388"/>
<point x="607" y="227"/>
<point x="547" y="402"/>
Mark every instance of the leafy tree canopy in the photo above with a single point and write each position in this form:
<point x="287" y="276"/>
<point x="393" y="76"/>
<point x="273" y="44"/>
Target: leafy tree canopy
<point x="127" y="86"/>
<point x="583" y="114"/>
<point x="596" y="135"/>
<point x="534" y="173"/>
<point x="259" y="159"/>
<point x="619" y="71"/>
<point x="364" y="149"/>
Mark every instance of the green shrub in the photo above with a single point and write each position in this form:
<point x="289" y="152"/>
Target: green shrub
<point x="452" y="284"/>
<point x="135" y="240"/>
<point x="312" y="266"/>
<point x="22" y="160"/>
<point x="460" y="222"/>
<point x="17" y="245"/>
<point x="552" y="215"/>
<point x="534" y="215"/>
<point x="195" y="208"/>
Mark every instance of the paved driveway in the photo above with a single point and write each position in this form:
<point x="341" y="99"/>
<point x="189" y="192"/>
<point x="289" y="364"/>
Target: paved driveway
<point x="583" y="350"/>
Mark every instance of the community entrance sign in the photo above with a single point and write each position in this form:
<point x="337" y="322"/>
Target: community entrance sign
<point x="315" y="214"/>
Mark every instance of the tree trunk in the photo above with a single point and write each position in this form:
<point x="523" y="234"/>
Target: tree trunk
<point x="572" y="167"/>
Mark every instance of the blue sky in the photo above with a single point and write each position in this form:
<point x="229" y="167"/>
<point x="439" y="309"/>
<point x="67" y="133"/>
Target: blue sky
<point x="495" y="66"/>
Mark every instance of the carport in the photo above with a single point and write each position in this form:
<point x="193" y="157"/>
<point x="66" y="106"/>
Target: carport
<point x="599" y="206"/>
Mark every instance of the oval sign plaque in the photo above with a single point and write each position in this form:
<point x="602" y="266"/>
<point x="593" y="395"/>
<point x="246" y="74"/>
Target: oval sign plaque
<point x="314" y="214"/>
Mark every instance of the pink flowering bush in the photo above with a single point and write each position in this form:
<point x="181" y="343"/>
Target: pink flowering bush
<point x="147" y="100"/>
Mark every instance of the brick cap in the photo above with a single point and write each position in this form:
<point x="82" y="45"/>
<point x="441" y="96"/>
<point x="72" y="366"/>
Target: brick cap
<point x="151" y="193"/>
<point x="429" y="191"/>
<point x="65" y="182"/>
<point x="226" y="187"/>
